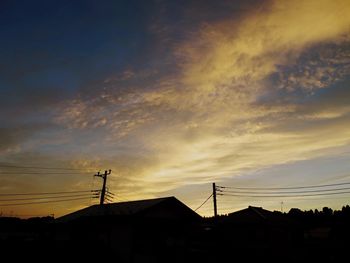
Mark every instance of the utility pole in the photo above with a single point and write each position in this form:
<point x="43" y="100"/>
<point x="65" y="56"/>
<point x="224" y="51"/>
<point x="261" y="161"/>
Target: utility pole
<point x="214" y="199"/>
<point x="103" y="191"/>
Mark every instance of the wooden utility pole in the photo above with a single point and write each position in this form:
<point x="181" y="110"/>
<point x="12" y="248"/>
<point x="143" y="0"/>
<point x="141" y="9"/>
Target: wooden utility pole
<point x="103" y="191"/>
<point x="214" y="199"/>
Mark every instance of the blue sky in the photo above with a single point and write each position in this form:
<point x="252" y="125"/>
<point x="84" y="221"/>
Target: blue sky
<point x="175" y="95"/>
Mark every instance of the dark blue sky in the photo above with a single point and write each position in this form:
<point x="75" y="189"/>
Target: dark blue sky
<point x="64" y="44"/>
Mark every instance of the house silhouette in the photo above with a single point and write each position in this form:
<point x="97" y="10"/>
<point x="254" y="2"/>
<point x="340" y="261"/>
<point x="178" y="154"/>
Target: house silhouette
<point x="256" y="215"/>
<point x="136" y="231"/>
<point x="159" y="208"/>
<point x="255" y="234"/>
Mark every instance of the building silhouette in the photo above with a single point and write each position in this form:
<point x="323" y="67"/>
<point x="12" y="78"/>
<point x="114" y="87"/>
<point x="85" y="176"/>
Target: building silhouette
<point x="135" y="231"/>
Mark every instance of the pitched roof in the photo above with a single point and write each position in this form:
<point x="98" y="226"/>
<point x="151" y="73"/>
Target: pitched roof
<point x="254" y="214"/>
<point x="129" y="208"/>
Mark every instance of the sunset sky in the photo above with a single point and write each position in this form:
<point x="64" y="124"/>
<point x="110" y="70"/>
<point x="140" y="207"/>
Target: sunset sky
<point x="173" y="96"/>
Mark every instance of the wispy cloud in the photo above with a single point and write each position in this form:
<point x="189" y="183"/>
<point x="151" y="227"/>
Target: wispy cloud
<point x="207" y="122"/>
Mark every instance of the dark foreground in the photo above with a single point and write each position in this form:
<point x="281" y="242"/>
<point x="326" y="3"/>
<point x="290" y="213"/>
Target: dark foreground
<point x="252" y="234"/>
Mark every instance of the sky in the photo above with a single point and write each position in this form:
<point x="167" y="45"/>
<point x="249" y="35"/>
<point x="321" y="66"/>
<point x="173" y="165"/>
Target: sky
<point x="173" y="96"/>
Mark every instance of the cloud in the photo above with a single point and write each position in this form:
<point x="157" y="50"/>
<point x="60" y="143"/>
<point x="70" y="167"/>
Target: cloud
<point x="252" y="87"/>
<point x="240" y="100"/>
<point x="231" y="57"/>
<point x="316" y="68"/>
<point x="12" y="137"/>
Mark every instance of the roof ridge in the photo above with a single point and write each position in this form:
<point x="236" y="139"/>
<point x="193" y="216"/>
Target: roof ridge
<point x="128" y="207"/>
<point x="141" y="200"/>
<point x="258" y="212"/>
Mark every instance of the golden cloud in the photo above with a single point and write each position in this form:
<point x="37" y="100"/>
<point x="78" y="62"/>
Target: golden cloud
<point x="205" y="123"/>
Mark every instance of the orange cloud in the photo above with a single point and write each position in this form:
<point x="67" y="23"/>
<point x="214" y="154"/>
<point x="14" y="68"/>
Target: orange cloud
<point x="205" y="123"/>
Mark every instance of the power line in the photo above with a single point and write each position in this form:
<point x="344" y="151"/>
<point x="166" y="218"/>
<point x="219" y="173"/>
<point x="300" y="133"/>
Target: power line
<point x="281" y="188"/>
<point x="44" y="202"/>
<point x="203" y="202"/>
<point x="272" y="198"/>
<point x="24" y="215"/>
<point x="284" y="195"/>
<point x="47" y="197"/>
<point x="50" y="193"/>
<point x="120" y="199"/>
<point x="284" y="192"/>
<point x="110" y="193"/>
<point x="39" y="167"/>
<point x="92" y="186"/>
<point x="67" y="173"/>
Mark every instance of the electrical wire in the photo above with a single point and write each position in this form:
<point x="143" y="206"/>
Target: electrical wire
<point x="25" y="215"/>
<point x="260" y="196"/>
<point x="50" y="193"/>
<point x="110" y="193"/>
<point x="315" y="198"/>
<point x="203" y="202"/>
<point x="120" y="199"/>
<point x="44" y="202"/>
<point x="281" y="188"/>
<point x="92" y="186"/>
<point x="46" y="197"/>
<point x="65" y="173"/>
<point x="284" y="192"/>
<point x="39" y="167"/>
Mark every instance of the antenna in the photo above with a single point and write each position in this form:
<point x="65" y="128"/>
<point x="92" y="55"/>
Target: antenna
<point x="282" y="206"/>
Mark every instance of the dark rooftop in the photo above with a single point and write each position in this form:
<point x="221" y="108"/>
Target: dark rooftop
<point x="130" y="208"/>
<point x="252" y="215"/>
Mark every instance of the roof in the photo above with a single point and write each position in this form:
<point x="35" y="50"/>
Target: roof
<point x="159" y="207"/>
<point x="253" y="215"/>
